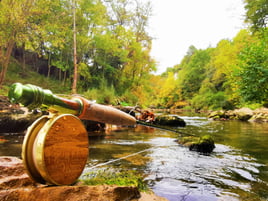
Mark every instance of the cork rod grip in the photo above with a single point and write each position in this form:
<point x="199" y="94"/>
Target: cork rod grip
<point x="105" y="114"/>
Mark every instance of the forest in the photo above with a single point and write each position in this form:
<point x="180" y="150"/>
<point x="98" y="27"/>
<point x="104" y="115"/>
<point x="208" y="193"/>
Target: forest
<point x="101" y="49"/>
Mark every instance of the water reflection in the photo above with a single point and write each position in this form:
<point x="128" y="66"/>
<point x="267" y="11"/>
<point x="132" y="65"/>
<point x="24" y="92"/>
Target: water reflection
<point x="11" y="144"/>
<point x="177" y="174"/>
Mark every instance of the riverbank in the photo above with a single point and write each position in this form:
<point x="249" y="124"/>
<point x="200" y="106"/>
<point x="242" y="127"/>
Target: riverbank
<point x="14" y="118"/>
<point x="244" y="114"/>
<point x="15" y="184"/>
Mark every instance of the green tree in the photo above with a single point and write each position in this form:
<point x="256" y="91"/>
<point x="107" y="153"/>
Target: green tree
<point x="256" y="13"/>
<point x="224" y="61"/>
<point x="122" y="53"/>
<point x="253" y="73"/>
<point x="192" y="75"/>
<point x="92" y="21"/>
<point x="167" y="91"/>
<point x="14" y="26"/>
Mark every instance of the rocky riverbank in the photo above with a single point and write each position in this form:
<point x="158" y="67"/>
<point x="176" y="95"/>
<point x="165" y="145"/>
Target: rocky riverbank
<point x="243" y="114"/>
<point x="15" y="184"/>
<point x="14" y="118"/>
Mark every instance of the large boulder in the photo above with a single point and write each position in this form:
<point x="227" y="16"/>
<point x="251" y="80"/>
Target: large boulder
<point x="15" y="184"/>
<point x="169" y="120"/>
<point x="243" y="114"/>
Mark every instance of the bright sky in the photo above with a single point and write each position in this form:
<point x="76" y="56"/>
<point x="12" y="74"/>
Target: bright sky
<point x="178" y="24"/>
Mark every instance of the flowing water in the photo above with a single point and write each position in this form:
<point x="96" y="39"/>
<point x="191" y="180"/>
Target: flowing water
<point x="236" y="170"/>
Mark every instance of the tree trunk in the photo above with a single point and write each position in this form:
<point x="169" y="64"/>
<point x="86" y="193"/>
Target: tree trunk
<point x="5" y="58"/>
<point x="23" y="57"/>
<point x="75" y="59"/>
<point x="49" y="66"/>
<point x="59" y="74"/>
<point x="64" y="77"/>
<point x="36" y="66"/>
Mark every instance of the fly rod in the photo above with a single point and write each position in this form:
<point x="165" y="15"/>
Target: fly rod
<point x="32" y="96"/>
<point x="152" y="125"/>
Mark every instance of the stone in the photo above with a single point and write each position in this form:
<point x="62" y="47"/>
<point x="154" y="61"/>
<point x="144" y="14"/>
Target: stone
<point x="260" y="115"/>
<point x="13" y="174"/>
<point x="204" y="144"/>
<point x="13" y="118"/>
<point x="15" y="184"/>
<point x="243" y="114"/>
<point x="169" y="120"/>
<point x="217" y="114"/>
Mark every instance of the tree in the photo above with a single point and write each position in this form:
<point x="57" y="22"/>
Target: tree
<point x="193" y="73"/>
<point x="256" y="13"/>
<point x="74" y="48"/>
<point x="253" y="73"/>
<point x="224" y="61"/>
<point x="13" y="28"/>
<point x="167" y="91"/>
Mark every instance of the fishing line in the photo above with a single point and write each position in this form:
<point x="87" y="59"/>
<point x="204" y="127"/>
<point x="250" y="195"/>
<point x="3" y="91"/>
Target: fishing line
<point x="124" y="157"/>
<point x="163" y="128"/>
<point x="148" y="125"/>
<point x="118" y="159"/>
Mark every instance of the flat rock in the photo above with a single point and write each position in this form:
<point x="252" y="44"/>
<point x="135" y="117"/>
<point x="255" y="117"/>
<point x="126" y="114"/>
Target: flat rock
<point x="15" y="184"/>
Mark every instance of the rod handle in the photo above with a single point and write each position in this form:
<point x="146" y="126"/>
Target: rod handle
<point x="102" y="113"/>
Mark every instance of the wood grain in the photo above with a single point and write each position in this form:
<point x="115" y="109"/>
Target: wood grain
<point x="61" y="150"/>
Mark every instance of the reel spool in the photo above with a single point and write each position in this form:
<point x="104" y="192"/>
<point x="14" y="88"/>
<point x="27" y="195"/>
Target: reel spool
<point x="55" y="149"/>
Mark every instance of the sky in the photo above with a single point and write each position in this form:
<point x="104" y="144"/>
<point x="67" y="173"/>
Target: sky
<point x="178" y="24"/>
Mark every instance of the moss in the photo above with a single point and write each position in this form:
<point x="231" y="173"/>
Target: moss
<point x="204" y="144"/>
<point x="170" y="120"/>
<point x="115" y="177"/>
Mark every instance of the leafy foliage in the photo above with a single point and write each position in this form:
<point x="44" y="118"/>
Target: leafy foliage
<point x="257" y="13"/>
<point x="227" y="76"/>
<point x="112" y="40"/>
<point x="253" y="75"/>
<point x="113" y="54"/>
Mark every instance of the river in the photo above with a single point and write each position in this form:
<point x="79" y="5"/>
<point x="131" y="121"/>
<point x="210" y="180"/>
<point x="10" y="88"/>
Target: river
<point x="237" y="169"/>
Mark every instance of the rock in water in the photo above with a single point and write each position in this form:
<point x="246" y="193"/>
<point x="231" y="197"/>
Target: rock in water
<point x="169" y="120"/>
<point x="204" y="145"/>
